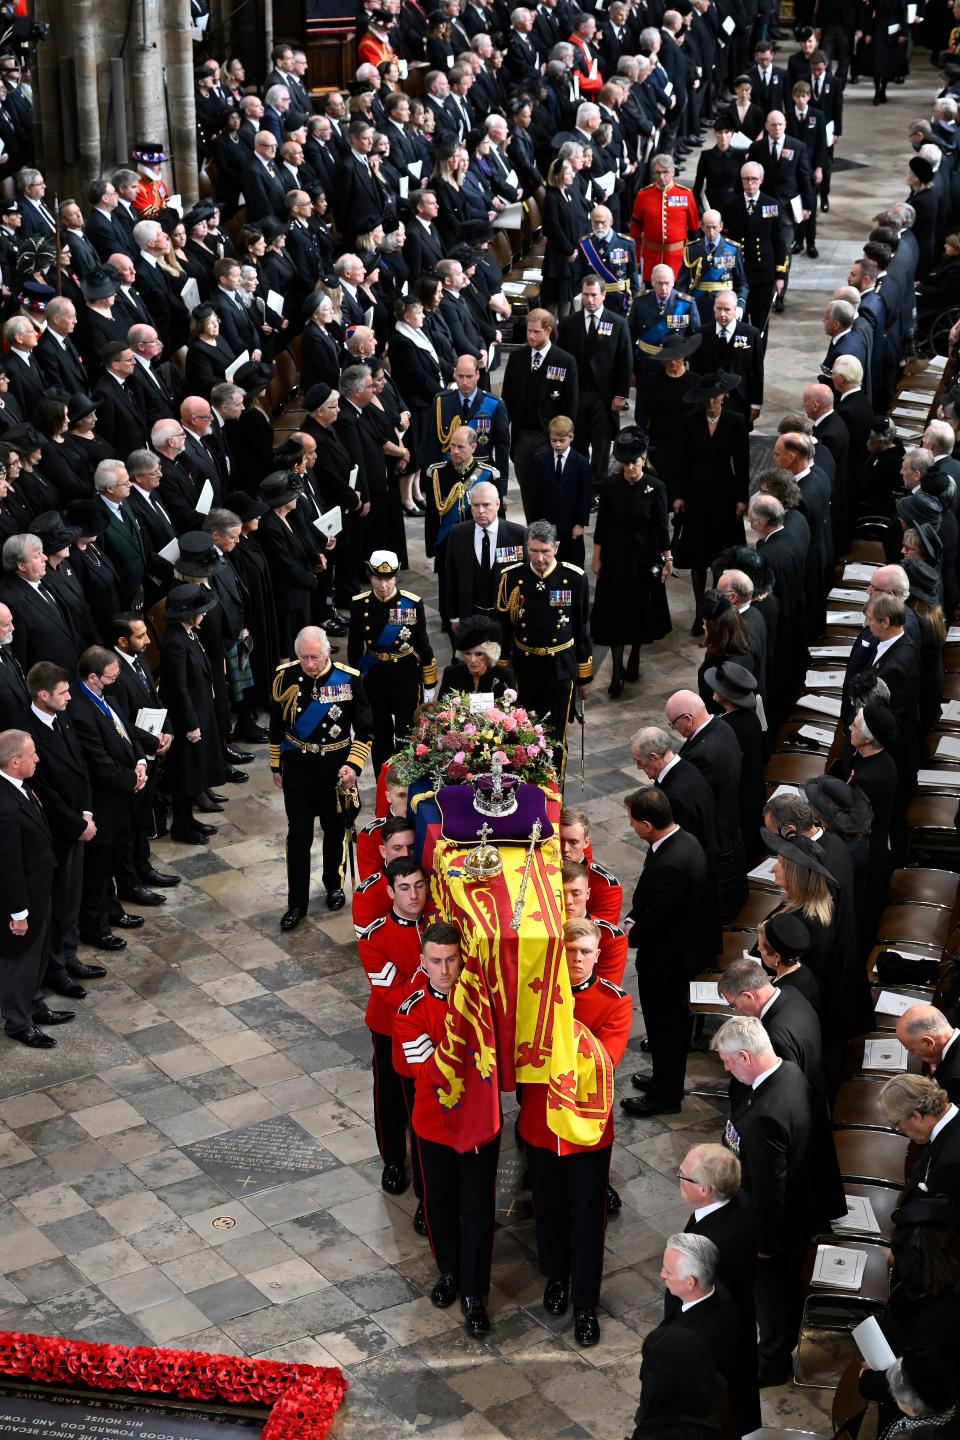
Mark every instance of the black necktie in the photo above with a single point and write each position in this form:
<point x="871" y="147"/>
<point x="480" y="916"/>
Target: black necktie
<point x="559" y="469"/>
<point x="141" y="673"/>
<point x="31" y="797"/>
<point x="750" y="205"/>
<point x="485" y="550"/>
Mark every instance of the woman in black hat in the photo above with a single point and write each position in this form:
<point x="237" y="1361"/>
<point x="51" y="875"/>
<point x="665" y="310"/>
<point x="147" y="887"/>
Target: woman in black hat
<point x="84" y="447"/>
<point x="390" y="425"/>
<point x="732" y="691"/>
<point x="198" y="252"/>
<point x="874" y="771"/>
<point x="801" y="874"/>
<point x="331" y="479"/>
<point x="665" y="399"/>
<point x="277" y="271"/>
<point x="253" y="445"/>
<point x="14" y="510"/>
<point x="260" y="607"/>
<point x="195" y="758"/>
<point x="923" y="198"/>
<point x="291" y="564"/>
<point x="881" y="43"/>
<point x="39" y="493"/>
<point x="62" y="578"/>
<point x="478" y="180"/>
<point x="51" y="418"/>
<point x="782" y="944"/>
<point x="631" y="559"/>
<point x="881" y="473"/>
<point x="924" y="601"/>
<point x="714" y="481"/>
<point x="208" y="354"/>
<point x="100" y="581"/>
<point x="725" y="640"/>
<point x="478" y="669"/>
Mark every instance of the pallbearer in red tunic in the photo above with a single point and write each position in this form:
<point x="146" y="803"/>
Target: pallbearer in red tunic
<point x="459" y="1190"/>
<point x="371" y="899"/>
<point x="569" y="1181"/>
<point x="370" y="835"/>
<point x="606" y="892"/>
<point x="613" y="940"/>
<point x="390" y="954"/>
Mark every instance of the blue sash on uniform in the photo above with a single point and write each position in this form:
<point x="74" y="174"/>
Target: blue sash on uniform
<point x="306" y="722"/>
<point x="610" y="277"/>
<point x="458" y="512"/>
<point x="388" y="635"/>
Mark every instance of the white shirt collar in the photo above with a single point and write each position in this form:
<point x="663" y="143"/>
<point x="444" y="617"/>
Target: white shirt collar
<point x="886" y="645"/>
<point x="772" y="1001"/>
<point x="702" y="1211"/>
<point x="13" y="779"/>
<point x="657" y="843"/>
<point x="122" y="655"/>
<point x="111" y="504"/>
<point x="702" y="727"/>
<point x="668" y="767"/>
<point x="945" y="1118"/>
<point x="689" y="1304"/>
<point x="947" y="1046"/>
<point x="42" y="715"/>
<point x="766" y="1075"/>
<point x="150" y="259"/>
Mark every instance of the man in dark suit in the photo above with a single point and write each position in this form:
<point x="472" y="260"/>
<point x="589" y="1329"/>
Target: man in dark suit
<point x="42" y="630"/>
<point x="856" y="412"/>
<point x="152" y="383"/>
<point x="772" y="1130"/>
<point x="808" y="125"/>
<point x="61" y="363"/>
<point x="358" y="192"/>
<point x="63" y="784"/>
<point x="768" y="81"/>
<point x="118" y="771"/>
<point x="839" y="318"/>
<point x="786" y="554"/>
<point x="709" y="1178"/>
<point x="121" y="539"/>
<point x="264" y="188"/>
<point x="562" y="488"/>
<point x="672" y="946"/>
<point x="422" y="247"/>
<point x="237" y="325"/>
<point x="473" y="572"/>
<point x="204" y="463"/>
<point x="23" y="369"/>
<point x="120" y="415"/>
<point x="919" y="1108"/>
<point x="754" y="221"/>
<point x="153" y="284"/>
<point x="177" y="491"/>
<point x="103" y="226"/>
<point x="831" y="435"/>
<point x="467" y="339"/>
<point x="735" y="347"/>
<point x="786" y="174"/>
<point x="14" y="695"/>
<point x="826" y="95"/>
<point x="599" y="341"/>
<point x="788" y="1018"/>
<point x="707" y="745"/>
<point x="697" y="1301"/>
<point x="156" y="526"/>
<point x="26" y="877"/>
<point x="927" y="1034"/>
<point x="540" y="381"/>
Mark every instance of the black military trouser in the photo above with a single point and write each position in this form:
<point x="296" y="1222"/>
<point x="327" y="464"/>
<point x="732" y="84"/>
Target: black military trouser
<point x="459" y="1205"/>
<point x="409" y="1096"/>
<point x="394" y="693"/>
<point x="570" y="1204"/>
<point x="389" y="1104"/>
<point x="309" y="794"/>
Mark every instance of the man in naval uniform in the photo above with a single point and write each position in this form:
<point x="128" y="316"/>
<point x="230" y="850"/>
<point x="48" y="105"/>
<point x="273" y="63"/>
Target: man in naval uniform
<point x="484" y="413"/>
<point x="611" y="256"/>
<point x="388" y="642"/>
<point x="450" y="481"/>
<point x="711" y="264"/>
<point x="321" y="727"/>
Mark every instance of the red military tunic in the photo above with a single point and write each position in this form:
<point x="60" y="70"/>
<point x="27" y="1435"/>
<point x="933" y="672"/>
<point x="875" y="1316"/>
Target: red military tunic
<point x="370" y="901"/>
<point x="418" y="1029"/>
<point x="390" y="954"/>
<point x="606" y="1011"/>
<point x="661" y="220"/>
<point x="369" y="858"/>
<point x="613" y="951"/>
<point x="605" y="899"/>
<point x="151" y="198"/>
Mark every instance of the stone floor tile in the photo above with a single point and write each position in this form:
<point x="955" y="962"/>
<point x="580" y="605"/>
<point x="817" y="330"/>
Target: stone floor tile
<point x="57" y="1202"/>
<point x="23" y="1246"/>
<point x="190" y="1125"/>
<point x="185" y="1060"/>
<point x="108" y="1118"/>
<point x="140" y="1289"/>
<point x="13" y="1151"/>
<point x="109" y="1260"/>
<point x="288" y="1280"/>
<point x="356" y="1342"/>
<point x="242" y="1045"/>
<point x="133" y="1213"/>
<point x="21" y="1110"/>
<point x="229" y="1298"/>
<point x="53" y="1277"/>
<point x="415" y="1319"/>
<point x="170" y="1320"/>
<point x="244" y="1223"/>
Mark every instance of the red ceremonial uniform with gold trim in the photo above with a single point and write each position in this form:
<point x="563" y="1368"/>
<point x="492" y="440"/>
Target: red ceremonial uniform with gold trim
<point x="606" y="1011"/>
<point x="369" y="858"/>
<point x="418" y="1029"/>
<point x="605" y="899"/>
<point x="370" y="900"/>
<point x="659" y="226"/>
<point x="151" y="198"/>
<point x="613" y="951"/>
<point x="390" y="955"/>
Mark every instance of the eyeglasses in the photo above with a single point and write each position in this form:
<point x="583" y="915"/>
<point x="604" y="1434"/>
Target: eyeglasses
<point x="689" y="1178"/>
<point x="675" y="722"/>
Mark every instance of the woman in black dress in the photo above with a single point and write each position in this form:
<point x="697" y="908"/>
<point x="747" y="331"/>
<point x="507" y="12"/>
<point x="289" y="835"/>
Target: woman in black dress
<point x="429" y="291"/>
<point x="231" y="157"/>
<point x="727" y="640"/>
<point x="718" y="169"/>
<point x="390" y="423"/>
<point x="260" y="609"/>
<point x="208" y="354"/>
<point x="743" y="116"/>
<point x="194" y="761"/>
<point x="291" y="564"/>
<point x="562" y="236"/>
<point x="83" y="446"/>
<point x="631" y="559"/>
<point x="445" y="182"/>
<point x="924" y="601"/>
<point x="807" y="885"/>
<point x="714" y="481"/>
<point x="782" y="944"/>
<point x="415" y="368"/>
<point x="664" y="402"/>
<point x="923" y="198"/>
<point x="253" y="441"/>
<point x="51" y="419"/>
<point x="331" y="479"/>
<point x="478" y="670"/>
<point x="881" y="43"/>
<point x="733" y="694"/>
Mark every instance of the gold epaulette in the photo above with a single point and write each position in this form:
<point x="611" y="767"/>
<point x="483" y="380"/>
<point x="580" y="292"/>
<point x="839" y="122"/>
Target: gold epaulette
<point x="348" y="668"/>
<point x="620" y="236"/>
<point x="285" y="664"/>
<point x="409" y="595"/>
<point x="437" y="465"/>
<point x="730" y="241"/>
<point x="569" y="565"/>
<point x="364" y="595"/>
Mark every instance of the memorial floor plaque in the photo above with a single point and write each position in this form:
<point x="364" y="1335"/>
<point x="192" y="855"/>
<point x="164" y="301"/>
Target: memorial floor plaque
<point x="260" y="1156"/>
<point x="72" y="1417"/>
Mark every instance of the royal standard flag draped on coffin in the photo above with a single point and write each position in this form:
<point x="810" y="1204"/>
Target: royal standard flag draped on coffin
<point x="511" y="1019"/>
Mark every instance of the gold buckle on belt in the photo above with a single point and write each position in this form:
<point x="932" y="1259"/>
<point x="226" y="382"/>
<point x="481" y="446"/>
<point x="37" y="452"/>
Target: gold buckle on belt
<point x="543" y="650"/>
<point x="615" y="285"/>
<point x="310" y="747"/>
<point x="711" y="285"/>
<point x="392" y="656"/>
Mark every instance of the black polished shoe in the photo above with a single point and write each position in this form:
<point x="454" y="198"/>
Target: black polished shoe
<point x="556" y="1297"/>
<point x="203" y="828"/>
<point x="631" y="671"/>
<point x="158" y="879"/>
<point x="641" y="1081"/>
<point x="420" y="1220"/>
<point x="233" y="776"/>
<point x="586" y="1327"/>
<point x="796" y="247"/>
<point x="644" y="1045"/>
<point x="251" y="734"/>
<point x="813" y="252"/>
<point x="476" y="1321"/>
<point x="78" y="971"/>
<point x="68" y="988"/>
<point x="35" y="1039"/>
<point x="46" y="1016"/>
<point x="141" y="895"/>
<point x="126" y="922"/>
<point x="207" y="807"/>
<point x="643" y="1108"/>
<point x="335" y="628"/>
<point x="238" y="757"/>
<point x="444" y="1292"/>
<point x="696" y="629"/>
<point x="291" y="918"/>
<point x="615" y="687"/>
<point x="394" y="1179"/>
<point x="105" y="941"/>
<point x="614" y="1203"/>
<point x="335" y="899"/>
<point x="825" y="207"/>
<point x="188" y="837"/>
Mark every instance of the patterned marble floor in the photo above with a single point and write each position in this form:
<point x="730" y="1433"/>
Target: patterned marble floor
<point x="122" y="1224"/>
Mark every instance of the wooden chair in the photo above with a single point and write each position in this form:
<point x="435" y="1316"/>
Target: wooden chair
<point x="759" y="905"/>
<point x="857" y="1105"/>
<point x="884" y="1201"/>
<point x="854" y="1063"/>
<point x="931" y="823"/>
<point x="913" y="924"/>
<point x="825" y="1345"/>
<point x="926" y="952"/>
<point x="916" y="994"/>
<point x="849" y="1406"/>
<point x="500" y="250"/>
<point x="871" y="1157"/>
<point x="916" y="885"/>
<point x="793" y="768"/>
